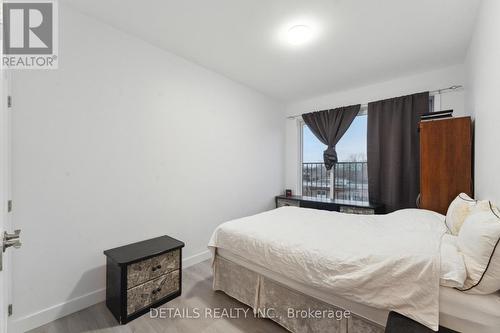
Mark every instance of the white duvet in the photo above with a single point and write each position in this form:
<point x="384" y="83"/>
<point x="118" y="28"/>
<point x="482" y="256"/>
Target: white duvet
<point x="385" y="261"/>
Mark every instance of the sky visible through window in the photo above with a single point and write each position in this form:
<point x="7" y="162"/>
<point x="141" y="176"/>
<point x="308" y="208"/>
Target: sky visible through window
<point x="352" y="146"/>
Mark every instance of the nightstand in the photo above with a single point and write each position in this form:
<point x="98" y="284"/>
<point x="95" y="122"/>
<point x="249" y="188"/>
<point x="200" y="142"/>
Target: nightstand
<point x="142" y="275"/>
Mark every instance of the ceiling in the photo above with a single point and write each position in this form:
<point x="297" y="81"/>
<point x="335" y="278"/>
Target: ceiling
<point x="358" y="41"/>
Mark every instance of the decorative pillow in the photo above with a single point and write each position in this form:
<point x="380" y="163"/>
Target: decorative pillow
<point x="453" y="273"/>
<point x="458" y="210"/>
<point x="478" y="241"/>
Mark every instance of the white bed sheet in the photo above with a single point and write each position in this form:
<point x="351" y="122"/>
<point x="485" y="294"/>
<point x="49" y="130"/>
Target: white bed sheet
<point x="388" y="261"/>
<point x="458" y="311"/>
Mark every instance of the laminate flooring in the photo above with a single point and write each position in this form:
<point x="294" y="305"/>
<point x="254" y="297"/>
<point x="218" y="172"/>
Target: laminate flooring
<point x="197" y="296"/>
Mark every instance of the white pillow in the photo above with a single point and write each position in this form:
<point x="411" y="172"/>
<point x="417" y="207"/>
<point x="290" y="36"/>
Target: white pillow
<point x="478" y="242"/>
<point x="453" y="271"/>
<point x="458" y="210"/>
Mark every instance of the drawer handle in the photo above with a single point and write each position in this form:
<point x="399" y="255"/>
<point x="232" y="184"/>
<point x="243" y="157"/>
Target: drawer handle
<point x="156" y="291"/>
<point x="156" y="267"/>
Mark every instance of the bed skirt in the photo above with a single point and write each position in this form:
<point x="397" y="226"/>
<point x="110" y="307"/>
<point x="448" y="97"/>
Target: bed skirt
<point x="295" y="311"/>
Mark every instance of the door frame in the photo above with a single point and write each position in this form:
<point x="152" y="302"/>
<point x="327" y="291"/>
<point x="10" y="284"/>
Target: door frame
<point x="5" y="195"/>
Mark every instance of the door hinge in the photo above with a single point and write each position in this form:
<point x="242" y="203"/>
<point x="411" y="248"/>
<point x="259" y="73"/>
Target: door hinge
<point x="9" y="206"/>
<point x="9" y="310"/>
<point x="9" y="101"/>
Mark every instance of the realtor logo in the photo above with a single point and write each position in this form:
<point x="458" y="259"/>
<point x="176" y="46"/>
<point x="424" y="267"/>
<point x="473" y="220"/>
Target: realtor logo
<point x="29" y="34"/>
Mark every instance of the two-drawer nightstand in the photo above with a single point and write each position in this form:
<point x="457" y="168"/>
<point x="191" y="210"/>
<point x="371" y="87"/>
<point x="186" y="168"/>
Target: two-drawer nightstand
<point x="142" y="275"/>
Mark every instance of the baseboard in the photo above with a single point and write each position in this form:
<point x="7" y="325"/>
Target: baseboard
<point x="54" y="312"/>
<point x="57" y="311"/>
<point x="196" y="259"/>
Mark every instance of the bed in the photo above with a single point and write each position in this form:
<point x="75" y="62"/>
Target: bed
<point x="297" y="258"/>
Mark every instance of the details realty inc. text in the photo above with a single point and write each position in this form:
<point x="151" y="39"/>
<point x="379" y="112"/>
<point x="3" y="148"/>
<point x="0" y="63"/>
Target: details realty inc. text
<point x="240" y="312"/>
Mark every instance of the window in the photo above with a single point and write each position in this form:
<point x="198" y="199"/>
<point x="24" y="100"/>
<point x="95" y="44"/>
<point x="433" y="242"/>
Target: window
<point x="348" y="180"/>
<point x="350" y="174"/>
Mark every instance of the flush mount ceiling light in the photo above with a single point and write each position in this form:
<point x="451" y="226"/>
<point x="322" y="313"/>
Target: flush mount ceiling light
<point x="299" y="34"/>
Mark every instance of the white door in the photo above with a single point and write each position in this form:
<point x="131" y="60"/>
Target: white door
<point x="4" y="198"/>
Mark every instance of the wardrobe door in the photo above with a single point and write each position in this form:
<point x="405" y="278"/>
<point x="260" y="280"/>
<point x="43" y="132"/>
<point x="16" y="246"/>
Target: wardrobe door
<point x="445" y="162"/>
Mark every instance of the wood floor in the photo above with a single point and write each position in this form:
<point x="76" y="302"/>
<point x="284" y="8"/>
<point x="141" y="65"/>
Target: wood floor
<point x="196" y="294"/>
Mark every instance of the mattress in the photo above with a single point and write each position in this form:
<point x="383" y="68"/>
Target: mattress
<point x="458" y="311"/>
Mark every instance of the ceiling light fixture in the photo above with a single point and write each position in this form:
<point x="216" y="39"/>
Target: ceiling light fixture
<point x="299" y="34"/>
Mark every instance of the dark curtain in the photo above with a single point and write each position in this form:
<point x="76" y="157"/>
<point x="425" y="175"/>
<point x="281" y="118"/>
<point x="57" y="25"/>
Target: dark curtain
<point x="393" y="150"/>
<point x="329" y="126"/>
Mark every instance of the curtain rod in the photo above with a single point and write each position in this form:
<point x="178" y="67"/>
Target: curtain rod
<point x="364" y="106"/>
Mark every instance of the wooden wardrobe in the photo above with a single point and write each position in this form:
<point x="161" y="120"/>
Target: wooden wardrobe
<point x="445" y="161"/>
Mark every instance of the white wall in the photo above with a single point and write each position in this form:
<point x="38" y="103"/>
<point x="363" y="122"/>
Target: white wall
<point x="482" y="98"/>
<point x="426" y="81"/>
<point x="122" y="143"/>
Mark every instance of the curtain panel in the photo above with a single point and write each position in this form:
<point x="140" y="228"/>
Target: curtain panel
<point x="329" y="126"/>
<point x="393" y="150"/>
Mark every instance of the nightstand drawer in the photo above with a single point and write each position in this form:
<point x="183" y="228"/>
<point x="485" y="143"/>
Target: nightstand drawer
<point x="165" y="263"/>
<point x="148" y="269"/>
<point x="144" y="295"/>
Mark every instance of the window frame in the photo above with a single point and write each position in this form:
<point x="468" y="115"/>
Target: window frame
<point x="300" y="155"/>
